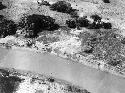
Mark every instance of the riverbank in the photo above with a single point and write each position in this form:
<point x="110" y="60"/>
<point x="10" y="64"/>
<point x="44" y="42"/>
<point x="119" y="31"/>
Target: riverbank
<point x="14" y="43"/>
<point x="91" y="79"/>
<point x="30" y="82"/>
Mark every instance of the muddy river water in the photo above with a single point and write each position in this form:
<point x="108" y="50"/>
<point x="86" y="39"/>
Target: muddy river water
<point x="93" y="80"/>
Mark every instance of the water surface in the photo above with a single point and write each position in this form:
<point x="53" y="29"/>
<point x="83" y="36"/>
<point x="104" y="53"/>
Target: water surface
<point x="93" y="80"/>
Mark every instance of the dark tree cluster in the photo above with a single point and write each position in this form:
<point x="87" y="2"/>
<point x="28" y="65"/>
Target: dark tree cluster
<point x="96" y="17"/>
<point x="84" y="22"/>
<point x="71" y="23"/>
<point x="106" y="1"/>
<point x="106" y="25"/>
<point x="2" y="6"/>
<point x="46" y="3"/>
<point x="74" y="14"/>
<point x="97" y="24"/>
<point x="8" y="84"/>
<point x="33" y="24"/>
<point x="62" y="6"/>
<point x="4" y="73"/>
<point x="76" y="23"/>
<point x="1" y="17"/>
<point x="7" y="27"/>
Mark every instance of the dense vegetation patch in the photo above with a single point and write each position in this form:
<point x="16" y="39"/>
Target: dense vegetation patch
<point x="84" y="22"/>
<point x="106" y="1"/>
<point x="62" y="6"/>
<point x="2" y="6"/>
<point x="8" y="84"/>
<point x="106" y="25"/>
<point x="71" y="23"/>
<point x="7" y="27"/>
<point x="42" y="2"/>
<point x="98" y="23"/>
<point x="33" y="24"/>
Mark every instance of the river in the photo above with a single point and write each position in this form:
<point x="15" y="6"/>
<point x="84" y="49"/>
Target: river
<point x="91" y="79"/>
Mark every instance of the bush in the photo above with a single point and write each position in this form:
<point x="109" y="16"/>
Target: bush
<point x="96" y="17"/>
<point x="106" y="1"/>
<point x="71" y="23"/>
<point x="107" y="25"/>
<point x="1" y="17"/>
<point x="62" y="6"/>
<point x="43" y="3"/>
<point x="74" y="13"/>
<point x="95" y="25"/>
<point x="9" y="84"/>
<point x="7" y="27"/>
<point x="83" y="22"/>
<point x="33" y="24"/>
<point x="2" y="6"/>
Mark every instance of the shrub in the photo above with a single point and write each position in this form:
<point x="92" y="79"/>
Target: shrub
<point x="107" y="25"/>
<point x="96" y="17"/>
<point x="62" y="6"/>
<point x="1" y="17"/>
<point x="7" y="27"/>
<point x="43" y="3"/>
<point x="33" y="24"/>
<point x="95" y="25"/>
<point x="83" y="22"/>
<point x="9" y="84"/>
<point x="71" y="23"/>
<point x="2" y="6"/>
<point x="106" y="1"/>
<point x="74" y="13"/>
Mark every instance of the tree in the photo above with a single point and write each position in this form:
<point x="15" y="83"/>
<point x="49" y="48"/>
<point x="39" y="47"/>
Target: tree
<point x="95" y="25"/>
<point x="107" y="25"/>
<point x="2" y="6"/>
<point x="74" y="13"/>
<point x="42" y="2"/>
<point x="83" y="22"/>
<point x="33" y="24"/>
<point x="7" y="27"/>
<point x="96" y="17"/>
<point x="71" y="23"/>
<point x="106" y="1"/>
<point x="9" y="84"/>
<point x="62" y="6"/>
